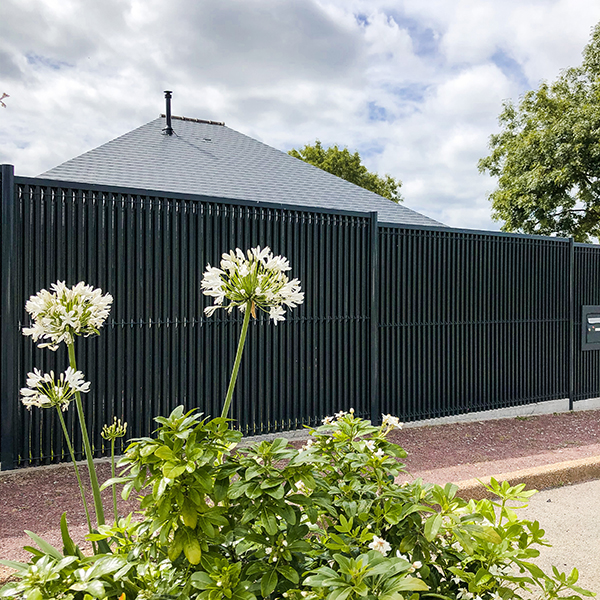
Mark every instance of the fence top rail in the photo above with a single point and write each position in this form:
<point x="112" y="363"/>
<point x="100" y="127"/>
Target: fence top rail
<point x="109" y="189"/>
<point x="480" y="232"/>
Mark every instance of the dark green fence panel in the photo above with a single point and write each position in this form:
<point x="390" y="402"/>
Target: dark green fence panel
<point x="416" y="322"/>
<point x="586" y="364"/>
<point x="471" y="321"/>
<point x="157" y="349"/>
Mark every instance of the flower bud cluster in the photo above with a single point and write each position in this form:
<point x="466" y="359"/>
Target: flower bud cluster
<point x="63" y="313"/>
<point x="114" y="431"/>
<point x="256" y="277"/>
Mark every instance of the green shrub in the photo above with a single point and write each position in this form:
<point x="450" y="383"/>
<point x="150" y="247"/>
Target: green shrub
<point x="326" y="521"/>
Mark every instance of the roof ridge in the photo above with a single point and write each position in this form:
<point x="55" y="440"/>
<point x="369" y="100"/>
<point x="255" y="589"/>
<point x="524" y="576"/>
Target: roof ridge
<point x="222" y="123"/>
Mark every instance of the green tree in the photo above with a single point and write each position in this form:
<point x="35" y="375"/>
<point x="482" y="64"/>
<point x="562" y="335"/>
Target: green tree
<point x="349" y="167"/>
<point x="547" y="155"/>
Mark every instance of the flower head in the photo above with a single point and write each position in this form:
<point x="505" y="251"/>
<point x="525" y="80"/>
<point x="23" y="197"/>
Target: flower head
<point x="44" y="391"/>
<point x="380" y="545"/>
<point x="391" y="422"/>
<point x="256" y="277"/>
<point x="63" y="313"/>
<point x="114" y="431"/>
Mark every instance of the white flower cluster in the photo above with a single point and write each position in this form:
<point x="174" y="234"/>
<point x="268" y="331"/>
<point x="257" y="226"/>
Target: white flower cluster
<point x="371" y="445"/>
<point x="63" y="313"/>
<point x="44" y="392"/>
<point x="337" y="416"/>
<point x="257" y="277"/>
<point x="391" y="422"/>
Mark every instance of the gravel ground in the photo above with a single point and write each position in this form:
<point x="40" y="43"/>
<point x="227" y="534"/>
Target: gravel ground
<point x="33" y="499"/>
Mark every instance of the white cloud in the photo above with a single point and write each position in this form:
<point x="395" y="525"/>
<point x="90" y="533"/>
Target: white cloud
<point x="415" y="86"/>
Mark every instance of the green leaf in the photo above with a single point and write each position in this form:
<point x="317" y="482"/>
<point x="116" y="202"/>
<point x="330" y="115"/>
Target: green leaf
<point x="268" y="583"/>
<point x="113" y="480"/>
<point x="44" y="546"/>
<point x="191" y="549"/>
<point x="189" y="514"/>
<point x="172" y="470"/>
<point x="166" y="454"/>
<point x="432" y="526"/>
<point x="412" y="584"/>
<point x="106" y="566"/>
<point x="68" y="544"/>
<point x="289" y="573"/>
<point x="202" y="580"/>
<point x="220" y="489"/>
<point x="18" y="566"/>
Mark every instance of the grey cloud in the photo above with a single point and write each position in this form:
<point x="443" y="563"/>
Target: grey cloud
<point x="60" y="37"/>
<point x="259" y="42"/>
<point x="9" y="69"/>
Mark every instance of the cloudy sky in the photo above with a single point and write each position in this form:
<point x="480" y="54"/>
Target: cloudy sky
<point x="414" y="85"/>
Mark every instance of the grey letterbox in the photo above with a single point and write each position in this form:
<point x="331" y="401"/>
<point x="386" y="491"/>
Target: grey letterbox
<point x="590" y="320"/>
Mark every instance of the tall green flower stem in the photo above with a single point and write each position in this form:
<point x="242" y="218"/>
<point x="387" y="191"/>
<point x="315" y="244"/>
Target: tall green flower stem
<point x="238" y="359"/>
<point x="113" y="475"/>
<point x="72" y="453"/>
<point x="86" y="444"/>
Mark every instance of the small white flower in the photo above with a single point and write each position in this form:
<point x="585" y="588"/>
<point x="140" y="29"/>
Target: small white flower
<point x="327" y="420"/>
<point x="268" y="550"/>
<point x="380" y="453"/>
<point x="340" y="414"/>
<point x="370" y="444"/>
<point x="44" y="392"/>
<point x="415" y="566"/>
<point x="463" y="593"/>
<point x="257" y="278"/>
<point x="380" y="545"/>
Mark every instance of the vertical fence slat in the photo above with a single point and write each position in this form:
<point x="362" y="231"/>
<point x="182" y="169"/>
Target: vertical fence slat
<point x="9" y="315"/>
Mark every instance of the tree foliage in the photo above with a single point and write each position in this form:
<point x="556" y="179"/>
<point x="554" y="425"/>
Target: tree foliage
<point x="349" y="167"/>
<point x="547" y="155"/>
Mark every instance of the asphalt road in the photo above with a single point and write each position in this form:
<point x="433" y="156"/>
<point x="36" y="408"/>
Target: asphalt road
<point x="571" y="519"/>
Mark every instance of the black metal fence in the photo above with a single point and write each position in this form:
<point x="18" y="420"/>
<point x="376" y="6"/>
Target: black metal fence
<point x="417" y="322"/>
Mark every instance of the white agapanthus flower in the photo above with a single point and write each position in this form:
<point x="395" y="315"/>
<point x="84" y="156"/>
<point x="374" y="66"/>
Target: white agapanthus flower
<point x="44" y="391"/>
<point x="257" y="277"/>
<point x="61" y="314"/>
<point x="380" y="545"/>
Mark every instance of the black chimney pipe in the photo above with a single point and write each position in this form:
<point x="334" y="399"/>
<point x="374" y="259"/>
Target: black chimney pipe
<point x="168" y="130"/>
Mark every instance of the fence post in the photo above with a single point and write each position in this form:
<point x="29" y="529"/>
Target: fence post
<point x="9" y="391"/>
<point x="375" y="399"/>
<point x="571" y="321"/>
